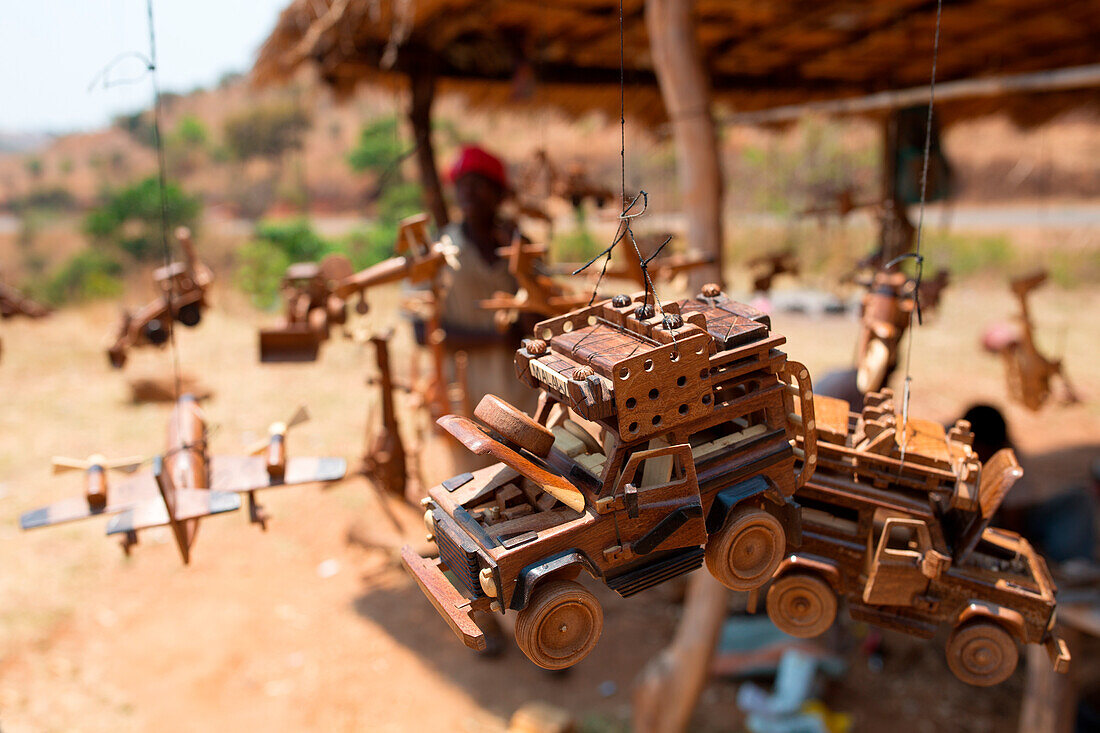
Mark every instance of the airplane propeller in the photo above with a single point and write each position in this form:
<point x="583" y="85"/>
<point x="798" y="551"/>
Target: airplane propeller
<point x="280" y="429"/>
<point x="126" y="465"/>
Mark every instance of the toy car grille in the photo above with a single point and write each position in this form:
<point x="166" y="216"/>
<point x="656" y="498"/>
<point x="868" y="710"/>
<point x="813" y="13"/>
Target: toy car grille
<point x="457" y="554"/>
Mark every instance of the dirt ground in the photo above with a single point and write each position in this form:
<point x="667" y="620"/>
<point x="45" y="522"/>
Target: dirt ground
<point x="295" y="629"/>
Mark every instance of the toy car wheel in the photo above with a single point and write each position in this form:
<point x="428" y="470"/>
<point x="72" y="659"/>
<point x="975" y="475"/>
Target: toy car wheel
<point x="560" y="625"/>
<point x="155" y="332"/>
<point x="982" y="653"/>
<point x="190" y="315"/>
<point x="801" y="605"/>
<point x="514" y="425"/>
<point x="747" y="550"/>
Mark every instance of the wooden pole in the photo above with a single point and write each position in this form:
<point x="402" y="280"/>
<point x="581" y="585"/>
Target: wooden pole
<point x="422" y="84"/>
<point x="669" y="686"/>
<point x="682" y="77"/>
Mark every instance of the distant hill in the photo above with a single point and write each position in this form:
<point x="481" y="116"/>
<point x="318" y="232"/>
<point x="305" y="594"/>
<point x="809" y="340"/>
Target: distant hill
<point x="23" y="142"/>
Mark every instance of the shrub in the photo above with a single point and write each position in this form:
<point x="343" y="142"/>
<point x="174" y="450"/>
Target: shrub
<point x="274" y="247"/>
<point x="380" y="146"/>
<point x="89" y="274"/>
<point x="130" y="218"/>
<point x="266" y="132"/>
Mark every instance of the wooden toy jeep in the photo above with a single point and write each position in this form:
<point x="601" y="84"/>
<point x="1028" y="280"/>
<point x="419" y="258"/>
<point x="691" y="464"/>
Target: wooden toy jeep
<point x="895" y="519"/>
<point x="663" y="439"/>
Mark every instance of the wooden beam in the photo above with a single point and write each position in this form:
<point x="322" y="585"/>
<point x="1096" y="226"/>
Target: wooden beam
<point x="683" y="80"/>
<point x="422" y="84"/>
<point x="1078" y="77"/>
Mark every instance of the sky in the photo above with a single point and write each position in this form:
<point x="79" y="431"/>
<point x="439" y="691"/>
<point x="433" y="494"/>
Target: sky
<point x="51" y="50"/>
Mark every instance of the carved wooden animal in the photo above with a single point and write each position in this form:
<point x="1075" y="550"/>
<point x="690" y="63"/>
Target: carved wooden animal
<point x="663" y="440"/>
<point x="1029" y="374"/>
<point x="895" y="519"/>
<point x="770" y="266"/>
<point x="543" y="179"/>
<point x="183" y="287"/>
<point x="186" y="483"/>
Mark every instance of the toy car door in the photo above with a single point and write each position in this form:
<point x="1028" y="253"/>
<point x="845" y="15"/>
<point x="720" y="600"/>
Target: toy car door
<point x="658" y="495"/>
<point x="897" y="573"/>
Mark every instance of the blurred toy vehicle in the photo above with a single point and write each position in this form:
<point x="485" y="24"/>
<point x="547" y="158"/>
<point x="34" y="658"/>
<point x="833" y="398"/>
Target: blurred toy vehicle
<point x="183" y="286"/>
<point x="895" y="519"/>
<point x="660" y="442"/>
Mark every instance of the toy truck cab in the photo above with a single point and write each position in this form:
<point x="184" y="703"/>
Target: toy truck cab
<point x="660" y="443"/>
<point x="905" y="539"/>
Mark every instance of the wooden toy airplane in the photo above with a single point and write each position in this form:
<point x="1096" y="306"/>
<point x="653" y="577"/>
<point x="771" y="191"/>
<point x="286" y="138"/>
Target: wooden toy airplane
<point x="538" y="293"/>
<point x="185" y="484"/>
<point x="183" y="287"/>
<point x="316" y="296"/>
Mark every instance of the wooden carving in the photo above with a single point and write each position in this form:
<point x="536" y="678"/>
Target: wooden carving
<point x="13" y="303"/>
<point x="186" y="483"/>
<point x="770" y="266"/>
<point x="668" y="439"/>
<point x="183" y="287"/>
<point x="918" y="502"/>
<point x="663" y="440"/>
<point x="1028" y="373"/>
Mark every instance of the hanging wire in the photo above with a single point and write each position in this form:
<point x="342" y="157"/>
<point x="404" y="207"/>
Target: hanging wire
<point x="626" y="216"/>
<point x="920" y="232"/>
<point x="104" y="79"/>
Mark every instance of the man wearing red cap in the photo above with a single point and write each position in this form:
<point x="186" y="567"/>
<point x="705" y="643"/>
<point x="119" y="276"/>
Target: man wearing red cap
<point x="481" y="186"/>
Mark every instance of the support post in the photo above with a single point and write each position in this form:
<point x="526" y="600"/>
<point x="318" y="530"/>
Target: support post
<point x="422" y="86"/>
<point x="682" y="77"/>
<point x="669" y="687"/>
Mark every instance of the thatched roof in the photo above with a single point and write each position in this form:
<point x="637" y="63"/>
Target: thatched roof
<point x="565" y="53"/>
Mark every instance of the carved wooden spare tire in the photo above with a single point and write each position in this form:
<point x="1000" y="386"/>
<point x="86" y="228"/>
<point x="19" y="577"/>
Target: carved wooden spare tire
<point x="560" y="625"/>
<point x="982" y="653"/>
<point x="514" y="425"/>
<point x="747" y="550"/>
<point x="802" y="605"/>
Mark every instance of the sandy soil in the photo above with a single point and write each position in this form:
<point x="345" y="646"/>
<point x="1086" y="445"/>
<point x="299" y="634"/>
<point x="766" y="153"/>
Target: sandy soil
<point x="296" y="630"/>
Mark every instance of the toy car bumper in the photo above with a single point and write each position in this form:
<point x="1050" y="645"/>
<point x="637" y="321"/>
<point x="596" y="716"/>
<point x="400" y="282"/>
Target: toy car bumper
<point x="451" y="605"/>
<point x="1057" y="651"/>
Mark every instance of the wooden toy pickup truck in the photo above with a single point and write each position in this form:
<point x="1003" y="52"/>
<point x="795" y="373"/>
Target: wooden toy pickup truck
<point x="895" y="519"/>
<point x="660" y="442"/>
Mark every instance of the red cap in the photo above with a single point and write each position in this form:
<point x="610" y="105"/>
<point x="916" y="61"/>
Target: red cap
<point x="472" y="159"/>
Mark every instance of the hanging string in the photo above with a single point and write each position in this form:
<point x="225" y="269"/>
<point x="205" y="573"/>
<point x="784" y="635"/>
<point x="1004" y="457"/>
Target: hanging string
<point x="103" y="78"/>
<point x="920" y="231"/>
<point x="162" y="185"/>
<point x="627" y="215"/>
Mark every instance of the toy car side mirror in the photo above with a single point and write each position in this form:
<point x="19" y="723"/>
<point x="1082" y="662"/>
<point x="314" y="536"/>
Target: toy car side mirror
<point x="932" y="563"/>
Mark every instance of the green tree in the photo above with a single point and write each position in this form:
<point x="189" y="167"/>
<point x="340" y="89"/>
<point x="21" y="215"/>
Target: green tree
<point x="380" y="147"/>
<point x="275" y="246"/>
<point x="130" y="218"/>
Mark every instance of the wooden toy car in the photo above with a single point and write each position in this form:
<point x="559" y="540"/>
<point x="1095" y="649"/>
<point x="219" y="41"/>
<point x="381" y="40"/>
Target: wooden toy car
<point x="183" y="286"/>
<point x="660" y="442"/>
<point x="895" y="520"/>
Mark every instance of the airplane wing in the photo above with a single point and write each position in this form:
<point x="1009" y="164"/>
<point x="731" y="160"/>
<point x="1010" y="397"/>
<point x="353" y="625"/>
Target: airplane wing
<point x="190" y="504"/>
<point x="249" y="473"/>
<point x="121" y="496"/>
